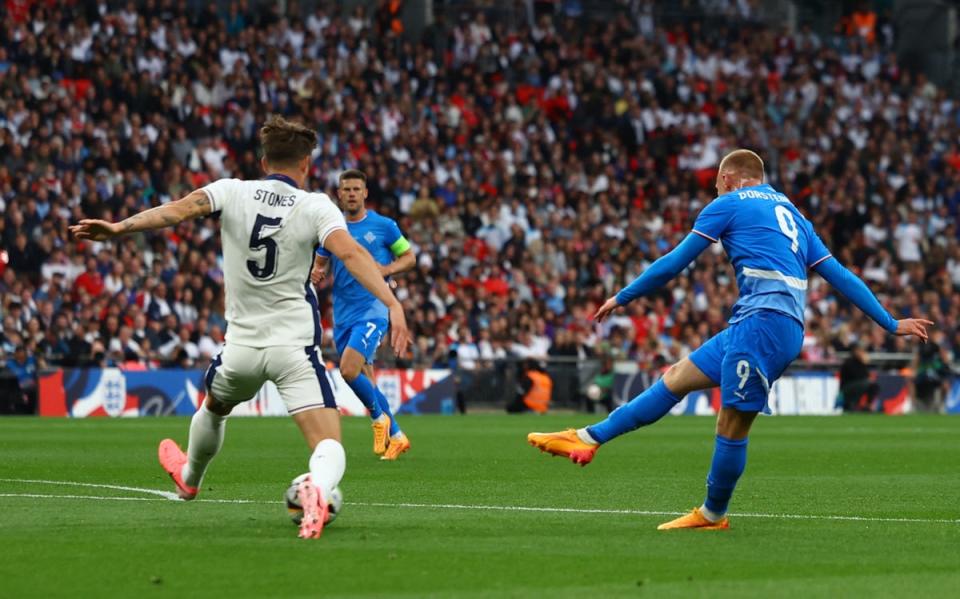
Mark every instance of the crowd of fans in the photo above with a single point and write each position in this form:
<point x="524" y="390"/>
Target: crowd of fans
<point x="536" y="168"/>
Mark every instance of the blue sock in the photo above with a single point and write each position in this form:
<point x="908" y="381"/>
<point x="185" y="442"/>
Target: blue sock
<point x="367" y="393"/>
<point x="644" y="409"/>
<point x="729" y="460"/>
<point x="385" y="408"/>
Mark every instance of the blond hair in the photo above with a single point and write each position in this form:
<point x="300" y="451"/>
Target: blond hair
<point x="745" y="163"/>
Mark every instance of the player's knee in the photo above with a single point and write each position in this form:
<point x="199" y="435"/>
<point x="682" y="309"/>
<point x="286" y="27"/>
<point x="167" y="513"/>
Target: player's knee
<point x="734" y="424"/>
<point x="350" y="369"/>
<point x="673" y="378"/>
<point x="218" y="407"/>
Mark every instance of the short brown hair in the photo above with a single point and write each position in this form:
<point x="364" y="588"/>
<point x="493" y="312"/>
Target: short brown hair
<point x="745" y="163"/>
<point x="284" y="142"/>
<point x="353" y="173"/>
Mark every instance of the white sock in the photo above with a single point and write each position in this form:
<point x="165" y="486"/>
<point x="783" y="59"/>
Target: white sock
<point x="710" y="515"/>
<point x="206" y="439"/>
<point x="327" y="465"/>
<point x="584" y="436"/>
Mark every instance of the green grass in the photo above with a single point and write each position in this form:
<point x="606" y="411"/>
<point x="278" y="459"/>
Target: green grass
<point x="869" y="467"/>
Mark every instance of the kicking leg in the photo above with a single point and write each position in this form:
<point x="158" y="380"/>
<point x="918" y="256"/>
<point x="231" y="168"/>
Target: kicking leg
<point x="646" y="408"/>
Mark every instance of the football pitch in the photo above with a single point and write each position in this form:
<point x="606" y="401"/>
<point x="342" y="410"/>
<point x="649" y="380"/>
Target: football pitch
<point x="844" y="506"/>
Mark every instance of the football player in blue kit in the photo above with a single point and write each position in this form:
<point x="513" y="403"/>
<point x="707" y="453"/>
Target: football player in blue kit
<point x="771" y="246"/>
<point x="359" y="318"/>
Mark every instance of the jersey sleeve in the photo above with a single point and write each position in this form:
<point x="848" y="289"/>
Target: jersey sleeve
<point x="714" y="219"/>
<point x="397" y="243"/>
<point x="220" y="193"/>
<point x="328" y="219"/>
<point x="817" y="251"/>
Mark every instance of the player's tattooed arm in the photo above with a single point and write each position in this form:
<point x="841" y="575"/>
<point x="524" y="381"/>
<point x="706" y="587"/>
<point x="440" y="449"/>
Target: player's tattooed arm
<point x="193" y="205"/>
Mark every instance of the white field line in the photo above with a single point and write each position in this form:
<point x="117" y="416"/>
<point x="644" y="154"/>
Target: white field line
<point x="166" y="496"/>
<point x="67" y="483"/>
<point x="116" y="498"/>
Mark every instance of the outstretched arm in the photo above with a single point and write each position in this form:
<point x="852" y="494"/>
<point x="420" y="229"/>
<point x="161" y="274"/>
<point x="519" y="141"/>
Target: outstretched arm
<point x="193" y="205"/>
<point x="660" y="272"/>
<point x="855" y="290"/>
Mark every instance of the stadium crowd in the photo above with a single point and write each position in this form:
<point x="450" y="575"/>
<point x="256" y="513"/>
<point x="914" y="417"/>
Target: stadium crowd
<point x="535" y="168"/>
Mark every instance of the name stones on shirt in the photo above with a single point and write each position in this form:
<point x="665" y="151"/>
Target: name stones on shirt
<point x="273" y="199"/>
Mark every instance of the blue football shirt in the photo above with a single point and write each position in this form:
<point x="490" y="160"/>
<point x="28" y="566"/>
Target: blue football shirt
<point x="352" y="303"/>
<point x="770" y="244"/>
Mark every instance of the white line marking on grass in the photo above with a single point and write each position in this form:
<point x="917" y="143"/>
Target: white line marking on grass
<point x="67" y="483"/>
<point x="507" y="508"/>
<point x="165" y="495"/>
<point x="118" y="498"/>
<point x="101" y="498"/>
<point x="518" y="508"/>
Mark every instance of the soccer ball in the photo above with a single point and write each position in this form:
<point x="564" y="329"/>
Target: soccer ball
<point x="296" y="510"/>
<point x="594" y="392"/>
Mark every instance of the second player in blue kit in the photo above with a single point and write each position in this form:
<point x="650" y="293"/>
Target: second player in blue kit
<point x="771" y="246"/>
<point x="360" y="319"/>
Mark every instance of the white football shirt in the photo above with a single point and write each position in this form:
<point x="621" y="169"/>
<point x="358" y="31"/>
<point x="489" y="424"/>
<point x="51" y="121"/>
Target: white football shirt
<point x="269" y="230"/>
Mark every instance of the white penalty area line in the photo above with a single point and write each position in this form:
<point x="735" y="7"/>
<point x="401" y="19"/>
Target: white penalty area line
<point x="159" y="495"/>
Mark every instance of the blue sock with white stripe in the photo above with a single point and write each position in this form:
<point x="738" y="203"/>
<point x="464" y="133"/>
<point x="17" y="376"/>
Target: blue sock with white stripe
<point x="367" y="392"/>
<point x="729" y="461"/>
<point x="385" y="408"/>
<point x="646" y="408"/>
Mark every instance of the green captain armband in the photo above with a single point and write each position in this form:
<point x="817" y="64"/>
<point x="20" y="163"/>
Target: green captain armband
<point x="400" y="246"/>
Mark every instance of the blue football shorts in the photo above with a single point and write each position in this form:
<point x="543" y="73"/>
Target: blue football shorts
<point x="363" y="336"/>
<point x="748" y="356"/>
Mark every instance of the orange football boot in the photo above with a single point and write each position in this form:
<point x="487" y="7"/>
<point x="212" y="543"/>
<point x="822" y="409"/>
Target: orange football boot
<point x="381" y="432"/>
<point x="398" y="445"/>
<point x="695" y="519"/>
<point x="566" y="444"/>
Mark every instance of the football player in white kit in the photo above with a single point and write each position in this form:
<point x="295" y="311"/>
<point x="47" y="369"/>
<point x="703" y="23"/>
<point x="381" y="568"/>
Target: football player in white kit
<point x="270" y="229"/>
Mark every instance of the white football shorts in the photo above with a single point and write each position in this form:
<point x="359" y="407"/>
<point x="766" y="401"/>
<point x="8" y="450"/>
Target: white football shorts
<point x="239" y="371"/>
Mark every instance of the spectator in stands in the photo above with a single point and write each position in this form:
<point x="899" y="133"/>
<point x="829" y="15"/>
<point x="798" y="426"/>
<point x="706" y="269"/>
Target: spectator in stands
<point x="858" y="391"/>
<point x="931" y="367"/>
<point x="863" y="23"/>
<point x="553" y="159"/>
<point x="24" y="367"/>
<point x="468" y="366"/>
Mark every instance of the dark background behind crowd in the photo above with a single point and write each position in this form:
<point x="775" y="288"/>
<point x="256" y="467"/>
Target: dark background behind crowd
<point x="537" y="164"/>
